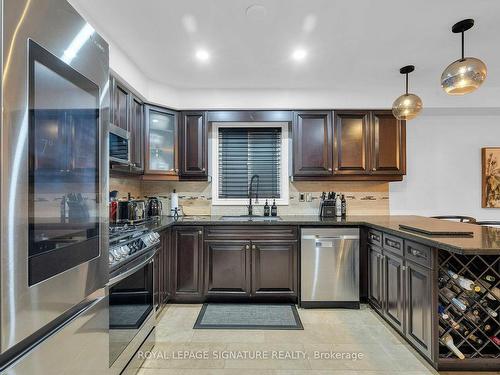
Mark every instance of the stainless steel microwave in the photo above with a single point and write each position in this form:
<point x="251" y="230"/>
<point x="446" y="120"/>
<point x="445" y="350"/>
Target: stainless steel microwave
<point x="119" y="145"/>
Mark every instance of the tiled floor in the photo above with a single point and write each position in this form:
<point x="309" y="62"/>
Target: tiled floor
<point x="325" y="331"/>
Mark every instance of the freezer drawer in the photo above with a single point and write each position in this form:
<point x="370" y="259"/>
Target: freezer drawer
<point x="330" y="267"/>
<point x="79" y="347"/>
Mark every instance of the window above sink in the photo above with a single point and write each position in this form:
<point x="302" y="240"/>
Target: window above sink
<point x="244" y="149"/>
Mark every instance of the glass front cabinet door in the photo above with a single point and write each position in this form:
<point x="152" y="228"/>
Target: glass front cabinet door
<point x="161" y="145"/>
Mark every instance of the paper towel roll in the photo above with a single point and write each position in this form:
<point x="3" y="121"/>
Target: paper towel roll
<point x="174" y="202"/>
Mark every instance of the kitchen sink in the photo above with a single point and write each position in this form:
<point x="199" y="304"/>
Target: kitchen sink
<point x="250" y="218"/>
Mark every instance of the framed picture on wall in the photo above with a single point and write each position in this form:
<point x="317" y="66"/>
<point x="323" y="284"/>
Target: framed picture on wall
<point x="490" y="177"/>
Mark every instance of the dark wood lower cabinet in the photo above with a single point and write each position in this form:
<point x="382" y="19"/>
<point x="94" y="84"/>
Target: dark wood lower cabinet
<point x="162" y="271"/>
<point x="227" y="271"/>
<point x="274" y="269"/>
<point x="419" y="307"/>
<point x="393" y="284"/>
<point x="401" y="291"/>
<point x="187" y="262"/>
<point x="375" y="290"/>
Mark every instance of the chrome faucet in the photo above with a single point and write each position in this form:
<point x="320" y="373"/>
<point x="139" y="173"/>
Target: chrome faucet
<point x="250" y="191"/>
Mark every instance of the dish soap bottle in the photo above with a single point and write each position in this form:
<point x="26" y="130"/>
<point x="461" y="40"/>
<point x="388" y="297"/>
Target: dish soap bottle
<point x="266" y="209"/>
<point x="274" y="209"/>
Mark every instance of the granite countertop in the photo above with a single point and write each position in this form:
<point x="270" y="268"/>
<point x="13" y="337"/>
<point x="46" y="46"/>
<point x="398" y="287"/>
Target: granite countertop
<point x="484" y="241"/>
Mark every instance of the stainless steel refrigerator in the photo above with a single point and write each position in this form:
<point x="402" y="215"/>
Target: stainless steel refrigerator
<point x="53" y="189"/>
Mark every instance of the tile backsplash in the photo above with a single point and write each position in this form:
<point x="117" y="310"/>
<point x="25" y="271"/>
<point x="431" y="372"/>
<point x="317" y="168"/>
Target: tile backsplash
<point x="195" y="198"/>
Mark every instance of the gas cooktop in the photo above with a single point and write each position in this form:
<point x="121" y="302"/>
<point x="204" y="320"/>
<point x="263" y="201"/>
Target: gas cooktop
<point x="126" y="242"/>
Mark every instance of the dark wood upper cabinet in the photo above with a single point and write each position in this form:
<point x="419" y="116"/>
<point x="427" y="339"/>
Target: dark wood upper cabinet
<point x="351" y="142"/>
<point x="120" y="103"/>
<point x="160" y="141"/>
<point x="227" y="271"/>
<point x="187" y="263"/>
<point x="274" y="269"/>
<point x="388" y="144"/>
<point x="193" y="145"/>
<point x="137" y="133"/>
<point x="360" y="145"/>
<point x="312" y="143"/>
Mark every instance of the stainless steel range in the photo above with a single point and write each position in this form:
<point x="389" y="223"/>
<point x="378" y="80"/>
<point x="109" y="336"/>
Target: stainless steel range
<point x="132" y="251"/>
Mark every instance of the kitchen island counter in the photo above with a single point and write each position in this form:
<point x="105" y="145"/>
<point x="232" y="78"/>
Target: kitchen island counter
<point x="484" y="240"/>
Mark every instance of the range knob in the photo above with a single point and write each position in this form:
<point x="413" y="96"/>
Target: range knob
<point x="115" y="253"/>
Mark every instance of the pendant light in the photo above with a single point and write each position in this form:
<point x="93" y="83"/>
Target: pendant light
<point x="407" y="106"/>
<point x="466" y="74"/>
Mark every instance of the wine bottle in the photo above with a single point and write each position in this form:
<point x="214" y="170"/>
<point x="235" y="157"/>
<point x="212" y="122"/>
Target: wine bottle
<point x="475" y="339"/>
<point x="490" y="278"/>
<point x="491" y="312"/>
<point x="459" y="304"/>
<point x="452" y="274"/>
<point x="495" y="339"/>
<point x="473" y="318"/>
<point x="448" y="293"/>
<point x="447" y="341"/>
<point x="456" y="326"/>
<point x="467" y="284"/>
<point x="493" y="293"/>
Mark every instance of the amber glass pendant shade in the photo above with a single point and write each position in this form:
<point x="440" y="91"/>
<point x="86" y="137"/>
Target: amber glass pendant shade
<point x="466" y="74"/>
<point x="407" y="106"/>
<point x="463" y="76"/>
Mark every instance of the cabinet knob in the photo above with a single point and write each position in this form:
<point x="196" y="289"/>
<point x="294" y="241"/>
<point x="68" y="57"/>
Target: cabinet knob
<point x="329" y="169"/>
<point x="203" y="169"/>
<point x="247" y="247"/>
<point x="200" y="232"/>
<point x="374" y="169"/>
<point x="254" y="247"/>
<point x="336" y="168"/>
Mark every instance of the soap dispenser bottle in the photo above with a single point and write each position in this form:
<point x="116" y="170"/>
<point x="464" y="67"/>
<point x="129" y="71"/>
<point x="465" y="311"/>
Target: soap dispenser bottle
<point x="274" y="209"/>
<point x="266" y="209"/>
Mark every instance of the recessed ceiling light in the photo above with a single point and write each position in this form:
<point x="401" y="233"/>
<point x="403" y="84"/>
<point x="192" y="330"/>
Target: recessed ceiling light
<point x="256" y="12"/>
<point x="202" y="55"/>
<point x="299" y="54"/>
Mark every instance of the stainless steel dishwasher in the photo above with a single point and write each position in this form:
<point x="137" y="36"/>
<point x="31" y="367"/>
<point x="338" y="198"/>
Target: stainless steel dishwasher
<point x="329" y="267"/>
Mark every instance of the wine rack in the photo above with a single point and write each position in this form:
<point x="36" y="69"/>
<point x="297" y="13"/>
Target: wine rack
<point x="473" y="320"/>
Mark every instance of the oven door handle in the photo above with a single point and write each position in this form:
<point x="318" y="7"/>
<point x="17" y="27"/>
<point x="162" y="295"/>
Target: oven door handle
<point x="129" y="272"/>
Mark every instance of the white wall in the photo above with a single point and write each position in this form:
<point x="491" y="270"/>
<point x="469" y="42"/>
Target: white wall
<point x="444" y="164"/>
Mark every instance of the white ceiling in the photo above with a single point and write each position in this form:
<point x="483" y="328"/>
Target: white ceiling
<point x="353" y="46"/>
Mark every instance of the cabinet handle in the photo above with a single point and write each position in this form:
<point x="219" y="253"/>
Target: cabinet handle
<point x="394" y="244"/>
<point x="417" y="253"/>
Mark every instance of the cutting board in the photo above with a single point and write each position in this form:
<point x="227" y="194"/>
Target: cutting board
<point x="444" y="229"/>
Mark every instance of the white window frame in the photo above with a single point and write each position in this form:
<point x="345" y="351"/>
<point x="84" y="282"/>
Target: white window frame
<point x="284" y="185"/>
